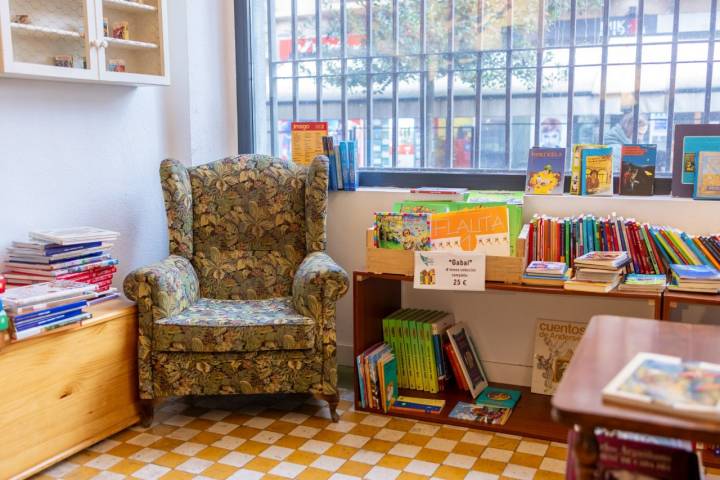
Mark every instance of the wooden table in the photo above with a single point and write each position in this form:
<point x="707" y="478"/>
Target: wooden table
<point x="608" y="344"/>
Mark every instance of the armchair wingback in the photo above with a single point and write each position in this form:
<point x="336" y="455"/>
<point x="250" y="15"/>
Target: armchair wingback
<point x="245" y="303"/>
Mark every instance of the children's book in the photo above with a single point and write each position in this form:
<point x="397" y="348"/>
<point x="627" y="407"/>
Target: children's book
<point x="637" y="169"/>
<point x="387" y="369"/>
<point x="44" y="292"/>
<point x="555" y="343"/>
<point x="484" y="230"/>
<point x="70" y="236"/>
<point x="389" y="230"/>
<point x="707" y="178"/>
<point x="596" y="171"/>
<point x="695" y="272"/>
<point x="480" y="413"/>
<point x="545" y="171"/>
<point x="468" y="359"/>
<point x="576" y="166"/>
<point x="416" y="231"/>
<point x="668" y="384"/>
<point x="692" y="146"/>
<point x="498" y="397"/>
<point x="420" y="206"/>
<point x="537" y="267"/>
<point x="602" y="260"/>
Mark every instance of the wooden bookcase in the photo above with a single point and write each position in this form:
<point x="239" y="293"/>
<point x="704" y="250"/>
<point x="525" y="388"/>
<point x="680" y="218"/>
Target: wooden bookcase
<point x="376" y="295"/>
<point x="68" y="389"/>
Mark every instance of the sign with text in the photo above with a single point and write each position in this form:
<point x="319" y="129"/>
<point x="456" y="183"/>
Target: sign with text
<point x="307" y="141"/>
<point x="461" y="271"/>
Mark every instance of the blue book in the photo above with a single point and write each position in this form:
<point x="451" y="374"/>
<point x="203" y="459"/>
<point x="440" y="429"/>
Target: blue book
<point x="79" y="257"/>
<point x="19" y="327"/>
<point x="596" y="176"/>
<point x="330" y="153"/>
<point x="695" y="272"/>
<point x="54" y="249"/>
<point x="498" y="397"/>
<point x="361" y="381"/>
<point x="698" y="253"/>
<point x="437" y="347"/>
<point x="345" y="165"/>
<point x="352" y="165"/>
<point x="50" y="311"/>
<point x="416" y="406"/>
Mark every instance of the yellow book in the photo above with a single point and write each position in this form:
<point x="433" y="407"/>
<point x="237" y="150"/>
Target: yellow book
<point x="576" y="166"/>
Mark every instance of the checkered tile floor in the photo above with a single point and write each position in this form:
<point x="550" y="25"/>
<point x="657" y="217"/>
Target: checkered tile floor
<point x="294" y="438"/>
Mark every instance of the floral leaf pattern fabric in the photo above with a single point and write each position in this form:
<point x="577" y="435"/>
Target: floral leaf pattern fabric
<point x="246" y="303"/>
<point x="178" y="207"/>
<point x="212" y="325"/>
<point x="316" y="198"/>
<point x="160" y="290"/>
<point x="318" y="284"/>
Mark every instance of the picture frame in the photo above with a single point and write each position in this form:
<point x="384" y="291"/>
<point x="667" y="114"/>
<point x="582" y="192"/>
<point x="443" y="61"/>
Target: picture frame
<point x="468" y="358"/>
<point x="681" y="184"/>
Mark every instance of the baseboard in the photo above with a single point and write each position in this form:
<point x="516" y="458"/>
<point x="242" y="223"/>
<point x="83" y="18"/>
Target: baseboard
<point x="345" y="355"/>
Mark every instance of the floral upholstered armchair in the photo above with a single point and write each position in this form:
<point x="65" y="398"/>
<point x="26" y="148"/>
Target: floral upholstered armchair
<point x="245" y="303"/>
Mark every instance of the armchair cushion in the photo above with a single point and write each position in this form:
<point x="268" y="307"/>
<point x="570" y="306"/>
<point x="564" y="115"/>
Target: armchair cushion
<point x="319" y="279"/>
<point x="212" y="325"/>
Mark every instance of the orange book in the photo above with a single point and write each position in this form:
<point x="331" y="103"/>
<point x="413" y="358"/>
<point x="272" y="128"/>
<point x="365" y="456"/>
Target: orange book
<point x="484" y="230"/>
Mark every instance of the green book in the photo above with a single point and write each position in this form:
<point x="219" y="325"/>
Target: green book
<point x="408" y="350"/>
<point x="421" y="206"/>
<point x="424" y="330"/>
<point x="389" y="377"/>
<point x="415" y="352"/>
<point x="429" y="352"/>
<point x="388" y="327"/>
<point x="401" y="354"/>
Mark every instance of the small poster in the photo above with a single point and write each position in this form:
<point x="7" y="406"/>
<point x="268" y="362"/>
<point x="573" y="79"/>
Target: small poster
<point x="307" y="141"/>
<point x="481" y="230"/>
<point x="461" y="271"/>
<point x="555" y="343"/>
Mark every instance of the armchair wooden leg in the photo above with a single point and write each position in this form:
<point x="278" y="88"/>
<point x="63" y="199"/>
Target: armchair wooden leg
<point x="333" y="401"/>
<point x="147" y="413"/>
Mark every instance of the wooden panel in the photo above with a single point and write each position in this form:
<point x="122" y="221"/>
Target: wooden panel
<point x="66" y="391"/>
<point x="402" y="262"/>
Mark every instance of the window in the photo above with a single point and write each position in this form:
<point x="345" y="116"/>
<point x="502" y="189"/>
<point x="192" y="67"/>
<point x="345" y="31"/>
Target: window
<point x="473" y="84"/>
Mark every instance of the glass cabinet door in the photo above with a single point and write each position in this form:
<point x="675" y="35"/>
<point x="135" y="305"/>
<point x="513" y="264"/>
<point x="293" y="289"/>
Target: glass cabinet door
<point x="49" y="38"/>
<point x="133" y="45"/>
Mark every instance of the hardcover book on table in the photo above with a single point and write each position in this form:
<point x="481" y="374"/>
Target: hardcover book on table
<point x="668" y="384"/>
<point x="545" y="171"/>
<point x="637" y="169"/>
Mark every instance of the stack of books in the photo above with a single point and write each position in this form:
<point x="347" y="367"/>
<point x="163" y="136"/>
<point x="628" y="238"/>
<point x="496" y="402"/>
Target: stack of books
<point x="378" y="377"/>
<point x="493" y="406"/>
<point x="694" y="278"/>
<point x="551" y="274"/>
<point x="36" y="309"/>
<point x="416" y="338"/>
<point x="637" y="282"/>
<point x="78" y="254"/>
<point x="598" y="272"/>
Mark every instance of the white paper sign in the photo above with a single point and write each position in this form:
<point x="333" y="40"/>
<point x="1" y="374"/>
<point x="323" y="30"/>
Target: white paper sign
<point x="450" y="271"/>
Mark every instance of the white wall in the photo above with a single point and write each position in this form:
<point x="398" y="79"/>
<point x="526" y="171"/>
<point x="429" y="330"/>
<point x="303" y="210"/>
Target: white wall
<point x="503" y="323"/>
<point x="86" y="154"/>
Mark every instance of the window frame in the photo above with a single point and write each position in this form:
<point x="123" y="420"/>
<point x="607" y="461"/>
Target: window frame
<point x="472" y="178"/>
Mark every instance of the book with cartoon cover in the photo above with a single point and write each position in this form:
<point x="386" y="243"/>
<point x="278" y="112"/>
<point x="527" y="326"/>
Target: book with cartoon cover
<point x="668" y="384"/>
<point x="481" y="413"/>
<point x="545" y="171"/>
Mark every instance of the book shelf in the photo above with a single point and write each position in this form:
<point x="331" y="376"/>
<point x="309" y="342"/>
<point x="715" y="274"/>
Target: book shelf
<point x="376" y="295"/>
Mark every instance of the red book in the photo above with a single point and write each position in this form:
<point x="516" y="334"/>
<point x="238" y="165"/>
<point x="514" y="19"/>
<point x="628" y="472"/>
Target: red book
<point x="645" y="255"/>
<point x="457" y="372"/>
<point x="530" y="244"/>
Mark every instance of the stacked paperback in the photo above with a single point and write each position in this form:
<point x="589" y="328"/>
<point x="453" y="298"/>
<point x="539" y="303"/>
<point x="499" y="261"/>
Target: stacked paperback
<point x="493" y="406"/>
<point x="76" y="254"/>
<point x="638" y="282"/>
<point x="598" y="272"/>
<point x="36" y="309"/>
<point x="4" y="322"/>
<point x="695" y="278"/>
<point x="551" y="274"/>
<point x="378" y="377"/>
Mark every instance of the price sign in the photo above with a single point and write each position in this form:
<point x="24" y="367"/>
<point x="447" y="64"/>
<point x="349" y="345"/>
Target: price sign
<point x="450" y="271"/>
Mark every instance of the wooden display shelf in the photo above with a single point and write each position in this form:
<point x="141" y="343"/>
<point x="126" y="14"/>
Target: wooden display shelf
<point x="129" y="6"/>
<point x="38" y="30"/>
<point x="673" y="298"/>
<point x="530" y="417"/>
<point x="130" y="44"/>
<point x="377" y="295"/>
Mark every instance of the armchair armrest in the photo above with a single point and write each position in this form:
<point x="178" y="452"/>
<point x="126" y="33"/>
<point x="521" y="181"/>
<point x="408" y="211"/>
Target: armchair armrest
<point x="160" y="290"/>
<point x="319" y="281"/>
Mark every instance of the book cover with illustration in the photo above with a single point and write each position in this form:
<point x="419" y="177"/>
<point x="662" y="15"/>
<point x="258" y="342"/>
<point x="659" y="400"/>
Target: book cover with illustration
<point x="555" y="343"/>
<point x="692" y="146"/>
<point x="498" y="397"/>
<point x="388" y="230"/>
<point x="596" y="171"/>
<point x="545" y="171"/>
<point x="668" y="384"/>
<point x="484" y="230"/>
<point x="576" y="165"/>
<point x="707" y="178"/>
<point x="416" y="231"/>
<point x="480" y="413"/>
<point x="637" y="169"/>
